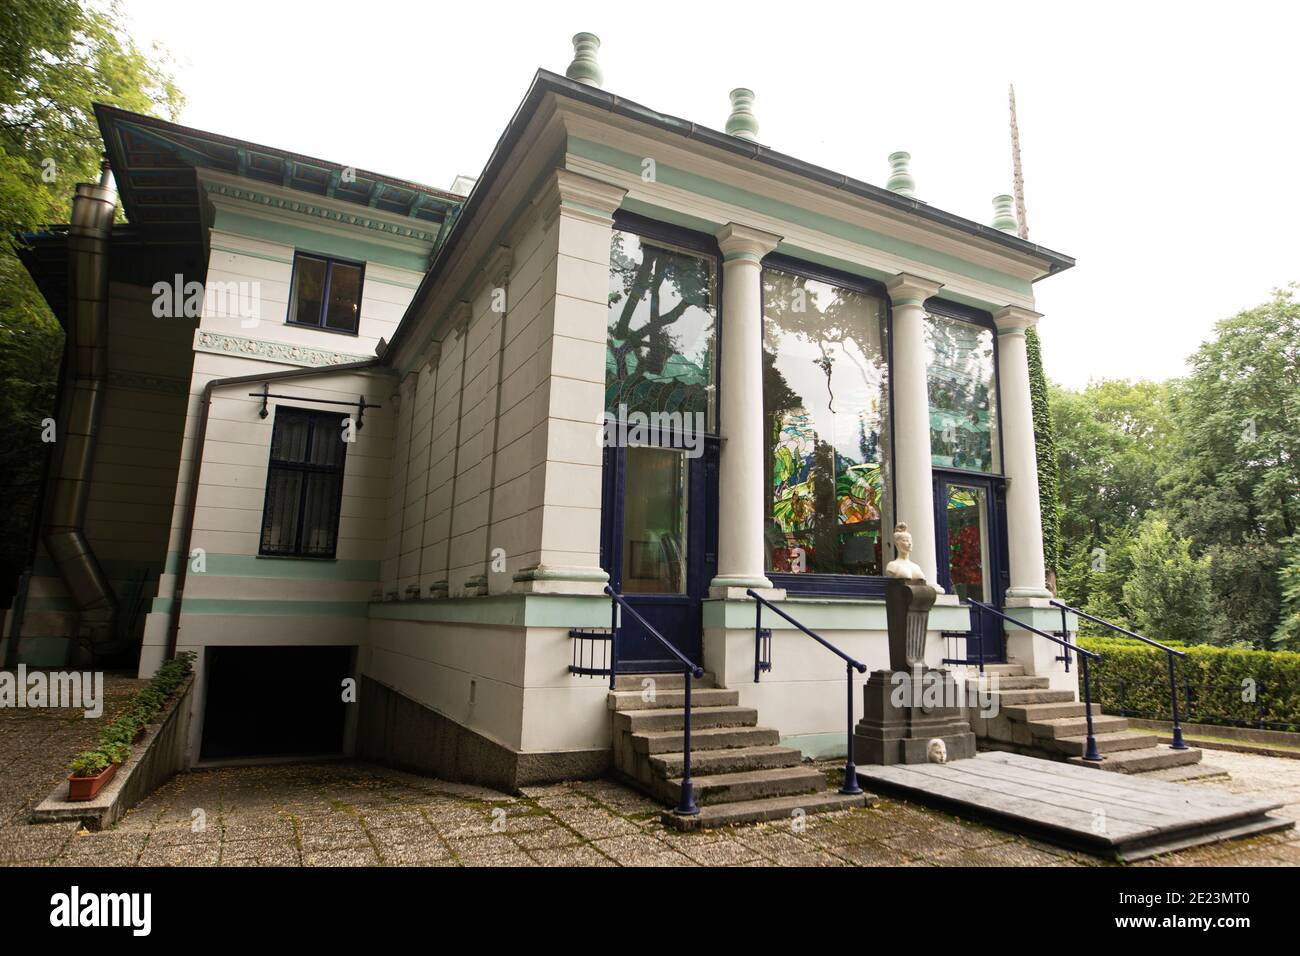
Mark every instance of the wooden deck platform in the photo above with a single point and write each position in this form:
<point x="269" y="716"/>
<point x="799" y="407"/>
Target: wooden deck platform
<point x="1109" y="814"/>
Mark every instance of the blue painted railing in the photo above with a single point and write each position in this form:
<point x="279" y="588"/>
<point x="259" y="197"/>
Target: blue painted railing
<point x="850" y="786"/>
<point x="686" y="804"/>
<point x="1091" y="752"/>
<point x="1178" y="743"/>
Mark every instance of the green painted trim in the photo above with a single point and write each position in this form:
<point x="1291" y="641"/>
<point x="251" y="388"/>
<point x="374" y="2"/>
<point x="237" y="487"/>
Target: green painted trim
<point x="311" y="240"/>
<point x="318" y="208"/>
<point x="283" y="260"/>
<point x="824" y="614"/>
<point x="1044" y="618"/>
<point x="504" y="610"/>
<point x="817" y="746"/>
<point x="765" y="205"/>
<point x="207" y="607"/>
<point x="300" y="569"/>
<point x="671" y="216"/>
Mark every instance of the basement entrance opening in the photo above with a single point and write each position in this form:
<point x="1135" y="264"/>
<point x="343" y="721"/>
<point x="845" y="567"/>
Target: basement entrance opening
<point x="274" y="701"/>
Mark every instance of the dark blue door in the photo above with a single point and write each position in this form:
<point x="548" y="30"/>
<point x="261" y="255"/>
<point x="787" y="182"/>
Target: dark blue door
<point x="659" y="544"/>
<point x="971" y="550"/>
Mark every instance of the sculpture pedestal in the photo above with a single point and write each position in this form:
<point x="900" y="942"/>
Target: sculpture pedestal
<point x="898" y="721"/>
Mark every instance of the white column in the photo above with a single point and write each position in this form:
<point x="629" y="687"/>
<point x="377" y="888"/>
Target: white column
<point x="913" y="479"/>
<point x="1024" y="517"/>
<point x="741" y="552"/>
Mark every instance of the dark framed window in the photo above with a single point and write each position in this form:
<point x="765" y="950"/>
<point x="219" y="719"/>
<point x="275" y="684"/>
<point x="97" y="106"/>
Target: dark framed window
<point x="826" y="412"/>
<point x="662" y="344"/>
<point x="304" y="484"/>
<point x="326" y="293"/>
<point x="962" y="383"/>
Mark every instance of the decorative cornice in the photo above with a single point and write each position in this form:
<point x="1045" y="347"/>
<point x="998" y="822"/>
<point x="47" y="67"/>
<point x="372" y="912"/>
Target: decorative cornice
<point x="461" y="313"/>
<point x="907" y="289"/>
<point x="579" y="196"/>
<point x="1014" y="319"/>
<point x="745" y="242"/>
<point x="497" y="267"/>
<point x="307" y="208"/>
<point x="146" y="382"/>
<point x="285" y="353"/>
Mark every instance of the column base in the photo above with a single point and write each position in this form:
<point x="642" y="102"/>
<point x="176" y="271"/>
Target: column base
<point x="557" y="579"/>
<point x="733" y="588"/>
<point x="1023" y="596"/>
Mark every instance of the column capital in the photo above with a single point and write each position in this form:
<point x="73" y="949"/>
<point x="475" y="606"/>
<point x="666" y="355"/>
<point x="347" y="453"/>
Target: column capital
<point x="579" y="196"/>
<point x="907" y="289"/>
<point x="745" y="242"/>
<point x="1013" y="319"/>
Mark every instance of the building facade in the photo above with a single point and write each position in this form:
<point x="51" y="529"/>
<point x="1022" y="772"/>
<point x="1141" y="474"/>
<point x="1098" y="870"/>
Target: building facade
<point x="380" y="472"/>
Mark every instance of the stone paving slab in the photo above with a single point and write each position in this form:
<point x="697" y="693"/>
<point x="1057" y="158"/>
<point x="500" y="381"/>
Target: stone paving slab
<point x="354" y="814"/>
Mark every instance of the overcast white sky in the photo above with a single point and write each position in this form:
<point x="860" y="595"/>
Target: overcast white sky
<point x="1159" y="139"/>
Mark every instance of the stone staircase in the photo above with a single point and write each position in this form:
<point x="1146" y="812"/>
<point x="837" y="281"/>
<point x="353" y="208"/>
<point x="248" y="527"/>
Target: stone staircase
<point x="741" y="772"/>
<point x="1033" y="720"/>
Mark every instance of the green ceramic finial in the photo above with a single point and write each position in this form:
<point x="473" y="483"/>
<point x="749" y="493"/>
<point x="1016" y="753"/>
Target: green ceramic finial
<point x="742" y="122"/>
<point x="900" y="177"/>
<point x="584" y="67"/>
<point x="1003" y="216"/>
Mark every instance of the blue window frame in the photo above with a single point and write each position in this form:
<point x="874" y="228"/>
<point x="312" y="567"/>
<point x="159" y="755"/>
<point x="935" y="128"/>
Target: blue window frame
<point x="326" y="293"/>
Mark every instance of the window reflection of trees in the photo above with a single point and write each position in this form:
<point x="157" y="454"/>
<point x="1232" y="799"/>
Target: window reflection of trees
<point x="661" y="354"/>
<point x="960" y="380"/>
<point x="825" y="426"/>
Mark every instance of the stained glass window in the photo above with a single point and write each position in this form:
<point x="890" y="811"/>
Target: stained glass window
<point x="825" y="414"/>
<point x="661" y="353"/>
<point x="960" y="374"/>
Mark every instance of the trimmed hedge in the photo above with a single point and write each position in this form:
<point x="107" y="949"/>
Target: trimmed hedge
<point x="1222" y="680"/>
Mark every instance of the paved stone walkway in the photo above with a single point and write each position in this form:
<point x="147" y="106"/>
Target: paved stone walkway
<point x="347" y="813"/>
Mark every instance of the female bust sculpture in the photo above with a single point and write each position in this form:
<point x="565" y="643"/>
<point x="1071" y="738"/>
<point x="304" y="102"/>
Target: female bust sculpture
<point x="903" y="566"/>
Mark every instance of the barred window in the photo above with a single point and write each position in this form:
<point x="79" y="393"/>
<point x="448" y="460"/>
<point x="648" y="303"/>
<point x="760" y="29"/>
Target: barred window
<point x="304" y="484"/>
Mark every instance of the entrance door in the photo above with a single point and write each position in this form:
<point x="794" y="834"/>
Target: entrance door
<point x="971" y="512"/>
<point x="658" y="545"/>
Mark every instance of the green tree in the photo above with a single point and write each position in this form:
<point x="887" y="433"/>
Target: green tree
<point x="1287" y="635"/>
<point x="1167" y="589"/>
<point x="1115" y="442"/>
<point x="1234" y="487"/>
<point x="57" y="58"/>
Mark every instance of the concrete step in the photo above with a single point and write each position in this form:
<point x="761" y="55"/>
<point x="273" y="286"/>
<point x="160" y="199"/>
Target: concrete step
<point x="749" y="785"/>
<point x="997" y="682"/>
<point x="730" y="760"/>
<point x="639" y="721"/>
<point x="661" y="681"/>
<point x="708" y="738"/>
<point x="1143" y="759"/>
<point x="1106" y="743"/>
<point x="1076" y="726"/>
<point x="628" y="700"/>
<point x="1027" y="713"/>
<point x="1017" y="698"/>
<point x="1003" y="670"/>
<point x="769" y="808"/>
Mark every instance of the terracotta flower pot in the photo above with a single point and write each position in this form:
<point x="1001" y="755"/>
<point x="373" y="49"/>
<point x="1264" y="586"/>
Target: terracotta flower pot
<point x="85" y="788"/>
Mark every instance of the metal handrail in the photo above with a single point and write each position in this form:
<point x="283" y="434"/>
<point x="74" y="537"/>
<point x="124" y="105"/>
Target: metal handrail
<point x="1091" y="752"/>
<point x="1177" y="733"/>
<point x="850" y="786"/>
<point x="686" y="803"/>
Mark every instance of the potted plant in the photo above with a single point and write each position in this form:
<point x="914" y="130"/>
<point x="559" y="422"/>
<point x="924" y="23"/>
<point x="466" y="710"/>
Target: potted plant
<point x="91" y="771"/>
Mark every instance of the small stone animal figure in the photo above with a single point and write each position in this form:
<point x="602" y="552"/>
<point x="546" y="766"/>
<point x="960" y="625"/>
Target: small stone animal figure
<point x="937" y="751"/>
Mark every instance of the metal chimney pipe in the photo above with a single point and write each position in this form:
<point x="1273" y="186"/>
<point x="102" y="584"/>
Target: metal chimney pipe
<point x="84" y="379"/>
